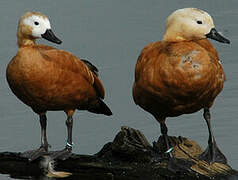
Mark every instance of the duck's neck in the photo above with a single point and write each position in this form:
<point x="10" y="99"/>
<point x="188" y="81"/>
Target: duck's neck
<point x="172" y="36"/>
<point x="24" y="41"/>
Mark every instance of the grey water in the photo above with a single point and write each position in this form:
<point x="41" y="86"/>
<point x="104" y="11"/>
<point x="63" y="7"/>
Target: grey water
<point x="111" y="35"/>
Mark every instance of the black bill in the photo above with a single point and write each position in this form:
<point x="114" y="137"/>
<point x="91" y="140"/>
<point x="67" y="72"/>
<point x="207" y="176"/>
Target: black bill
<point x="213" y="34"/>
<point x="50" y="36"/>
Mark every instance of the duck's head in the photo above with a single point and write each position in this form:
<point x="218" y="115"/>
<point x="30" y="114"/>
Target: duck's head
<point x="34" y="25"/>
<point x="191" y="24"/>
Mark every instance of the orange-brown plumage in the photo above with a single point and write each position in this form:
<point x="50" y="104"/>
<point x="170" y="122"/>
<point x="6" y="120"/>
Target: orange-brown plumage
<point x="174" y="78"/>
<point x="182" y="73"/>
<point x="46" y="78"/>
<point x="50" y="79"/>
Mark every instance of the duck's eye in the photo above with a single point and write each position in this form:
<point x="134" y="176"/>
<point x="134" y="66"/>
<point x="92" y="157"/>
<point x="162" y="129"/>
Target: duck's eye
<point x="199" y="22"/>
<point x="36" y="23"/>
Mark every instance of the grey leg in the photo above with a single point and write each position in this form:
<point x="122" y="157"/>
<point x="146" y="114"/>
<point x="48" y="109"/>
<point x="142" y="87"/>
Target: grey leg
<point x="34" y="154"/>
<point x="69" y="124"/>
<point x="212" y="153"/>
<point x="66" y="152"/>
<point x="43" y="123"/>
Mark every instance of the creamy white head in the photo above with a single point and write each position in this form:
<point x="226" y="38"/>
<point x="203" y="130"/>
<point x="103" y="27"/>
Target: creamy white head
<point x="189" y="24"/>
<point x="39" y="24"/>
<point x="33" y="25"/>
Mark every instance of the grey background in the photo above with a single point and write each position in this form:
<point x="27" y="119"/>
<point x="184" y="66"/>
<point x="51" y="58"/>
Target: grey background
<point x="111" y="35"/>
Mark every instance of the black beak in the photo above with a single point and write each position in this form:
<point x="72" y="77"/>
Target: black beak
<point x="50" y="36"/>
<point x="213" y="34"/>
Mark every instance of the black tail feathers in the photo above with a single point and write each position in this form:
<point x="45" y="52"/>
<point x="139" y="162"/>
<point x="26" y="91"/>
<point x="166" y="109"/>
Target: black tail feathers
<point x="101" y="108"/>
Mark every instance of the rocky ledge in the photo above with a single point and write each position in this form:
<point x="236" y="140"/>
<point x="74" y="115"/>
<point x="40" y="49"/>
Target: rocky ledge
<point x="129" y="157"/>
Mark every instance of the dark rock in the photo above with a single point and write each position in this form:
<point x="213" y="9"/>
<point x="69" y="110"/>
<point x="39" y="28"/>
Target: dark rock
<point x="129" y="157"/>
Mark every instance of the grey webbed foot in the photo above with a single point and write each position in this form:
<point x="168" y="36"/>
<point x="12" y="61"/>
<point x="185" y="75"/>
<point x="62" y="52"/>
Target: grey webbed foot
<point x="213" y="154"/>
<point x="32" y="155"/>
<point x="62" y="154"/>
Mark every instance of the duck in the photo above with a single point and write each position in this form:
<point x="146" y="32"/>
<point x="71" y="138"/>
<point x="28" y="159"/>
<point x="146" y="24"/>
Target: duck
<point x="49" y="79"/>
<point x="182" y="74"/>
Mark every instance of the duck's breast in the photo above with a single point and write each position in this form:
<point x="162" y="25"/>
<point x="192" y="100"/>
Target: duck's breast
<point x="181" y="77"/>
<point x="53" y="80"/>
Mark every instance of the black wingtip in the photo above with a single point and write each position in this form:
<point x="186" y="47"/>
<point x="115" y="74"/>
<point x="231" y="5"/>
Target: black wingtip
<point x="93" y="68"/>
<point x="101" y="108"/>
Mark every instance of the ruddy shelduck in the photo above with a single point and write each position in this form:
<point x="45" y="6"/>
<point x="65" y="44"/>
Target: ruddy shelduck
<point x="182" y="74"/>
<point x="49" y="79"/>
